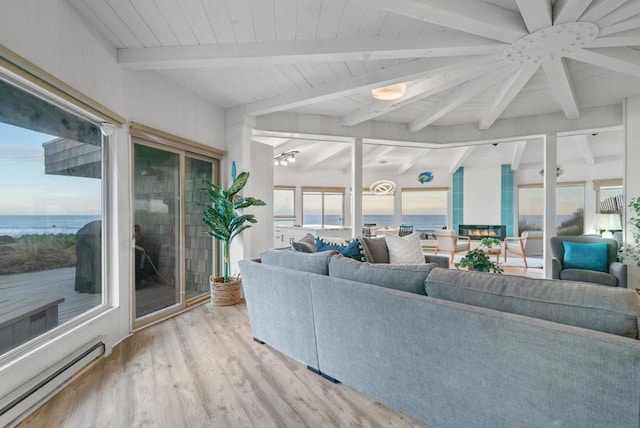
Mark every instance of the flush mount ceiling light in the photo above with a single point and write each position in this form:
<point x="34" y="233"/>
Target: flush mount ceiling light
<point x="285" y="158"/>
<point x="383" y="187"/>
<point x="389" y="93"/>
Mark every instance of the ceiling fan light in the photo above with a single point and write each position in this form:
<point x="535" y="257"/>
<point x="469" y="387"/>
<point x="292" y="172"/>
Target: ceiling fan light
<point x="389" y="93"/>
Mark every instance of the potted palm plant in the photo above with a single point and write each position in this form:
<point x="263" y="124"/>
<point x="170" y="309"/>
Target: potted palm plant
<point x="225" y="224"/>
<point x="478" y="260"/>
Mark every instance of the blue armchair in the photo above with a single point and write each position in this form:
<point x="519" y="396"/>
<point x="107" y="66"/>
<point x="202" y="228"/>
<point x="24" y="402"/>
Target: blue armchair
<point x="615" y="275"/>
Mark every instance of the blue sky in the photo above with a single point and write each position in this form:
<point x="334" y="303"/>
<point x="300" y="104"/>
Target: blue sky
<point x="25" y="188"/>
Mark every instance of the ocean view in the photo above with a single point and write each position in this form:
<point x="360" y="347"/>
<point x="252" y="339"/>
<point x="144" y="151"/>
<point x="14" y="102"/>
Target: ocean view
<point x="20" y="225"/>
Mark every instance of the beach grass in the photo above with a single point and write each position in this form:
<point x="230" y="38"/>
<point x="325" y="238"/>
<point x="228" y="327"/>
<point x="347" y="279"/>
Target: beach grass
<point x="31" y="253"/>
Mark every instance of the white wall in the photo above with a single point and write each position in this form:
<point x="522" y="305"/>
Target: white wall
<point x="482" y="195"/>
<point x="260" y="235"/>
<point x="632" y="174"/>
<point x="53" y="35"/>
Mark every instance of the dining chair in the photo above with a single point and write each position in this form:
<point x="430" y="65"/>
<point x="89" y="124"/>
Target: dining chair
<point x="405" y="229"/>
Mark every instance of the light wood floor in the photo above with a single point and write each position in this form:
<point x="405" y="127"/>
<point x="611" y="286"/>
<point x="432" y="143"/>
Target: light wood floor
<point x="202" y="369"/>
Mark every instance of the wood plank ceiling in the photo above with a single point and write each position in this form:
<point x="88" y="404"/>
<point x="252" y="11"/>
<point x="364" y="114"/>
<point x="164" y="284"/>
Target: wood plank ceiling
<point x="464" y="61"/>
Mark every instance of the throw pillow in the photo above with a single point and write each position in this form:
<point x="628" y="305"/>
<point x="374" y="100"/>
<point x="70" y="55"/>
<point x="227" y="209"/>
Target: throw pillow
<point x="306" y="244"/>
<point x="375" y="250"/>
<point x="408" y="278"/>
<point x="351" y="249"/>
<point x="592" y="256"/>
<point x="405" y="250"/>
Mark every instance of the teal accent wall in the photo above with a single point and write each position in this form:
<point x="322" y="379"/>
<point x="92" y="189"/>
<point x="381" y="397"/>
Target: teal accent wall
<point x="458" y="198"/>
<point x="507" y="198"/>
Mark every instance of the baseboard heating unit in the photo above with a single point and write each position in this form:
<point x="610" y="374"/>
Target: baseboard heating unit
<point x="20" y="403"/>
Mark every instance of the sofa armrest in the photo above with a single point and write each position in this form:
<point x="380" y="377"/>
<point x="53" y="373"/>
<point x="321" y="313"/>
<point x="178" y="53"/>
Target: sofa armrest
<point x="556" y="267"/>
<point x="619" y="270"/>
<point x="441" y="261"/>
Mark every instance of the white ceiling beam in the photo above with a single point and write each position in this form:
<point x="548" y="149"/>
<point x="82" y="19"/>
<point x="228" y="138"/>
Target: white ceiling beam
<point x="624" y="60"/>
<point x="447" y="43"/>
<point x="410" y="163"/>
<point x="622" y="13"/>
<point x="582" y="145"/>
<point x="375" y="153"/>
<point x="600" y="9"/>
<point x="291" y="144"/>
<point x="629" y="24"/>
<point x="325" y="154"/>
<point x="386" y="76"/>
<point x="560" y="81"/>
<point x="536" y="13"/>
<point x="507" y="93"/>
<point x="462" y="156"/>
<point x="569" y="10"/>
<point x="461" y="95"/>
<point x="293" y="125"/>
<point x="470" y="16"/>
<point x="425" y="88"/>
<point x="518" y="151"/>
<point x="626" y="38"/>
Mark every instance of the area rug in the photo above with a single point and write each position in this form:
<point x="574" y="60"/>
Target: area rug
<point x="533" y="262"/>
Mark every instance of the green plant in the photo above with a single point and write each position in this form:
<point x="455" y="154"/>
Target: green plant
<point x="632" y="250"/>
<point x="222" y="216"/>
<point x="489" y="242"/>
<point x="478" y="260"/>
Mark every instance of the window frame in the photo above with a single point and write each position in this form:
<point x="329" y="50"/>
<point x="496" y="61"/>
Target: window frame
<point x="286" y="217"/>
<point x="559" y="184"/>
<point x="608" y="183"/>
<point x="53" y="94"/>
<point x="367" y="192"/>
<point x="447" y="191"/>
<point x="323" y="191"/>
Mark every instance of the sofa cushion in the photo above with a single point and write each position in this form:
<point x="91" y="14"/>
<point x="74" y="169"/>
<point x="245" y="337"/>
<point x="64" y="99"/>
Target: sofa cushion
<point x="375" y="250"/>
<point x="592" y="276"/>
<point x="405" y="249"/>
<point x="591" y="256"/>
<point x="306" y="262"/>
<point x="400" y="277"/>
<point x="611" y="310"/>
<point x="351" y="249"/>
<point x="306" y="244"/>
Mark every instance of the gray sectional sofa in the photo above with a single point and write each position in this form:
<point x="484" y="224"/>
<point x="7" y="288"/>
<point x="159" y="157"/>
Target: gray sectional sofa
<point x="454" y="348"/>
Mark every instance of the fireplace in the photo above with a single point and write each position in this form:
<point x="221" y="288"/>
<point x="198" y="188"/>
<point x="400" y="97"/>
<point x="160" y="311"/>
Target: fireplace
<point x="479" y="231"/>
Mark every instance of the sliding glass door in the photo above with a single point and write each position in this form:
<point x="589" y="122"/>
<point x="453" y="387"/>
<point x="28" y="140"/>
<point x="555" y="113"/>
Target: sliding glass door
<point x="157" y="225"/>
<point x="174" y="255"/>
<point x="199" y="260"/>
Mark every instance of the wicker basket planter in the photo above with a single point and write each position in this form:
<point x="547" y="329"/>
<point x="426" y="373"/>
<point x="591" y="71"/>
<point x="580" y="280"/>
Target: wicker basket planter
<point x="225" y="293"/>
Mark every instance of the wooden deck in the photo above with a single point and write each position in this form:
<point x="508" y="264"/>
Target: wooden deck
<point x="59" y="283"/>
<point x="50" y="284"/>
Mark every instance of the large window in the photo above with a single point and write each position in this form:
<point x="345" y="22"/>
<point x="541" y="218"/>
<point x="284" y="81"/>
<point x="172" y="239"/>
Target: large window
<point x="284" y="205"/>
<point x="570" y="199"/>
<point x="609" y="196"/>
<point x="377" y="209"/>
<point x="51" y="193"/>
<point x="425" y="209"/>
<point x="322" y="206"/>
